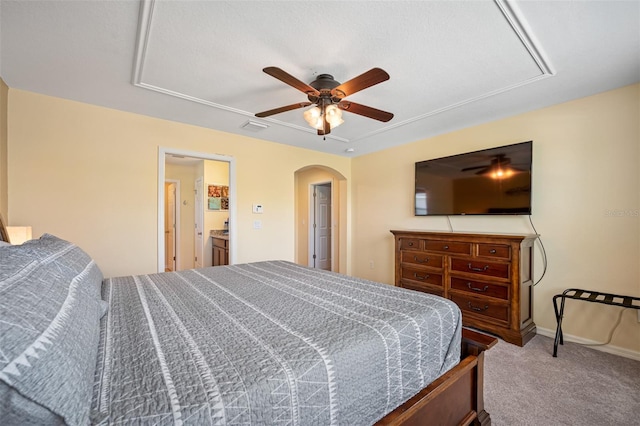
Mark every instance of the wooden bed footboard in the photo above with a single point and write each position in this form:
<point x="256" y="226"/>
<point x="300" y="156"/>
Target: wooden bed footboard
<point x="456" y="397"/>
<point x="4" y="235"/>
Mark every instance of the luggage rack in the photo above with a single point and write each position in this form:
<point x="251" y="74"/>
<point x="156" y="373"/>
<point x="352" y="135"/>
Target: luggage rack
<point x="587" y="296"/>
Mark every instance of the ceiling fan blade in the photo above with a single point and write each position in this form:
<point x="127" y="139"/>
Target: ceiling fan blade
<point x="466" y="169"/>
<point x="366" y="111"/>
<point x="287" y="78"/>
<point x="283" y="109"/>
<point x="368" y="79"/>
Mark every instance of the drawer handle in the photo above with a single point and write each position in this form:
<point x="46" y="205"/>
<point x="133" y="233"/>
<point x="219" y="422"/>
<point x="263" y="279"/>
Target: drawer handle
<point x="426" y="259"/>
<point x="420" y="277"/>
<point x="484" y="269"/>
<point x="486" y="287"/>
<point x="476" y="308"/>
<point x="410" y="244"/>
<point x="445" y="248"/>
<point x="492" y="251"/>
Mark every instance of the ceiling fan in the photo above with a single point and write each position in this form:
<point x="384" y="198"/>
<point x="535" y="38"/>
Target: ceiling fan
<point x="328" y="96"/>
<point x="499" y="167"/>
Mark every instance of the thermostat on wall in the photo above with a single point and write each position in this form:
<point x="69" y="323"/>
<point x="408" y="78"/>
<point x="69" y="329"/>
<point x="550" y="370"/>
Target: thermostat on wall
<point x="257" y="208"/>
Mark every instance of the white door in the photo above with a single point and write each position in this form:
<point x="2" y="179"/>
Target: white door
<point x="170" y="227"/>
<point x="322" y="227"/>
<point x="199" y="220"/>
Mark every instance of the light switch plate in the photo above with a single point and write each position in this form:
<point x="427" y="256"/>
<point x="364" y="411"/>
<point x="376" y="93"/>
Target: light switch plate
<point x="257" y="224"/>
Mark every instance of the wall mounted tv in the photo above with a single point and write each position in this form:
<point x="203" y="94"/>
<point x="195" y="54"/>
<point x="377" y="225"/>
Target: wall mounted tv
<point x="489" y="182"/>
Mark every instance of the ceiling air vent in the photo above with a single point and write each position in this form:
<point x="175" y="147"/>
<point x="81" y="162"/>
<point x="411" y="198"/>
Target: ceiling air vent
<point x="254" y="126"/>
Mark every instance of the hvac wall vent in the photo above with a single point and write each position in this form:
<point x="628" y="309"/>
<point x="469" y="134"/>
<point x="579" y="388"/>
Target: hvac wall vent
<point x="254" y="126"/>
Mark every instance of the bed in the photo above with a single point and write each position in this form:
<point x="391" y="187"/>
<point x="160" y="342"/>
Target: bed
<point x="258" y="343"/>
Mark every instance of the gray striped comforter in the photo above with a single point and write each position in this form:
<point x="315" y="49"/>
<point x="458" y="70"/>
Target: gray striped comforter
<point x="267" y="343"/>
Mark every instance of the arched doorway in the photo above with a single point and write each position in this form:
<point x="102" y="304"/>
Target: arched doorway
<point x="321" y="221"/>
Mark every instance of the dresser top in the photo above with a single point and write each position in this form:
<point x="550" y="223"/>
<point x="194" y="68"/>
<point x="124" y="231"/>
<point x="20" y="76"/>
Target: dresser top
<point x="457" y="234"/>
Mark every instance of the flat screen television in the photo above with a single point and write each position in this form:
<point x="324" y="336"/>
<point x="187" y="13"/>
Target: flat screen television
<point x="495" y="181"/>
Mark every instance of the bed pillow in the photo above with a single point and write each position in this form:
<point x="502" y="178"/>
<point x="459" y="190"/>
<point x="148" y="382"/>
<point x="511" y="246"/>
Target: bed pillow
<point x="49" y="329"/>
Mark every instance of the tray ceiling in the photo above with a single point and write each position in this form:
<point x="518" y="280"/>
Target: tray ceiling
<point x="452" y="64"/>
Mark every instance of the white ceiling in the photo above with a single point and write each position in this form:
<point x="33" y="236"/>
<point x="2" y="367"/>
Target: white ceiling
<point x="453" y="64"/>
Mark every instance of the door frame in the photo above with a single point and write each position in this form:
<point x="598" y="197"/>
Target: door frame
<point x="199" y="217"/>
<point x="311" y="231"/>
<point x="176" y="233"/>
<point x="164" y="151"/>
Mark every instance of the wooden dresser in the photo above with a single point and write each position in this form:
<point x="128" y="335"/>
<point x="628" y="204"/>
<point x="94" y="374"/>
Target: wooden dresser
<point x="488" y="276"/>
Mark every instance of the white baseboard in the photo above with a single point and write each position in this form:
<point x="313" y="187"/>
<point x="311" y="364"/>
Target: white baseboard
<point x="615" y="350"/>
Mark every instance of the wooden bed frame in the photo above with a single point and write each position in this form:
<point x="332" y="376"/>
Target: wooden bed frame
<point x="4" y="235"/>
<point x="455" y="398"/>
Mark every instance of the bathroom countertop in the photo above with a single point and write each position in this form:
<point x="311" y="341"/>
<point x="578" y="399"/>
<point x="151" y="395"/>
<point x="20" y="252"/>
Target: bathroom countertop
<point x="219" y="233"/>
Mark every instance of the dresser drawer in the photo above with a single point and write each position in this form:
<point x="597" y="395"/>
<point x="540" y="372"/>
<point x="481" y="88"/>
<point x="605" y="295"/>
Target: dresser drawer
<point x="499" y="251"/>
<point x="419" y="275"/>
<point x="480" y="288"/>
<point x="484" y="307"/>
<point x="410" y="244"/>
<point x="480" y="267"/>
<point x="421" y="258"/>
<point x="425" y="288"/>
<point x="447" y="246"/>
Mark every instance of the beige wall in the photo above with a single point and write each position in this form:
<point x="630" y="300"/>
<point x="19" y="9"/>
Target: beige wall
<point x="4" y="95"/>
<point x="89" y="174"/>
<point x="586" y="164"/>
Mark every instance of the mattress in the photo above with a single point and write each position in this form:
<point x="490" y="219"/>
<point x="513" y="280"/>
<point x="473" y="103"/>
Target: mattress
<point x="266" y="343"/>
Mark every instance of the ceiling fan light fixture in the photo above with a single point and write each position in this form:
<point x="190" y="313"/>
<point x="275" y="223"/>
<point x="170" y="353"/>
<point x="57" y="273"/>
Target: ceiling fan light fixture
<point x="314" y="116"/>
<point x="500" y="173"/>
<point x="334" y="116"/>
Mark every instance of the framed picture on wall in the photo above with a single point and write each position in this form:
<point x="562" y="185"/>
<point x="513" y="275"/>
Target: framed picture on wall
<point x="218" y="197"/>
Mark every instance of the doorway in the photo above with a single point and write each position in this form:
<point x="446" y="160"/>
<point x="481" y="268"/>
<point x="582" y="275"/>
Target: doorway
<point x="320" y="229"/>
<point x="199" y="223"/>
<point x="337" y="213"/>
<point x="187" y="202"/>
<point x="171" y="218"/>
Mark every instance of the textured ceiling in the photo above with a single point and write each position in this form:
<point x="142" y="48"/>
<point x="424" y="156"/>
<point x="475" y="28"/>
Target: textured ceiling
<point x="452" y="64"/>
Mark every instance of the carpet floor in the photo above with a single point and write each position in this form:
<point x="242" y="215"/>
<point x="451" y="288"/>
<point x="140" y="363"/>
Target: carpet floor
<point x="582" y="386"/>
